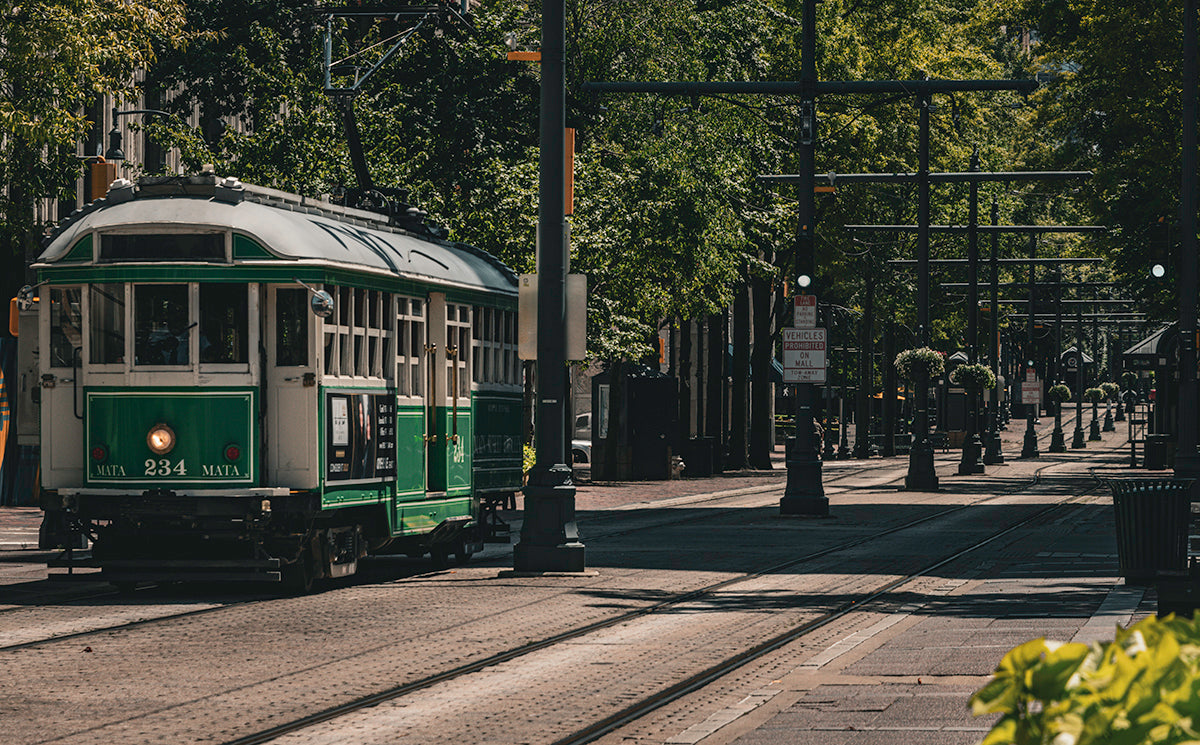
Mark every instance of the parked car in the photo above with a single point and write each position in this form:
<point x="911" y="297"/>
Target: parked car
<point x="581" y="443"/>
<point x="581" y="452"/>
<point x="583" y="426"/>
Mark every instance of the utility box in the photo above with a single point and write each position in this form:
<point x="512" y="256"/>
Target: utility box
<point x="635" y="426"/>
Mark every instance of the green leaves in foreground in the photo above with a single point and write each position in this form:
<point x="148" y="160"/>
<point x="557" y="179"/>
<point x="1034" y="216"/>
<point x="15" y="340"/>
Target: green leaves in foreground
<point x="1141" y="688"/>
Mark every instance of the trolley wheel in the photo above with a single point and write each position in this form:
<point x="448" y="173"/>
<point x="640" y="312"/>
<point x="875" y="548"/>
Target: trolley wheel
<point x="440" y="555"/>
<point x="297" y="577"/>
<point x="461" y="554"/>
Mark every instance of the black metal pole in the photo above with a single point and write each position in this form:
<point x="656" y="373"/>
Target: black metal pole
<point x="1187" y="463"/>
<point x="1094" y="425"/>
<point x="888" y="449"/>
<point x="1058" y="443"/>
<point x="1029" y="446"/>
<point x="804" y="493"/>
<point x="972" y="450"/>
<point x="866" y="369"/>
<point x="993" y="454"/>
<point x="549" y="538"/>
<point x="921" y="474"/>
<point x="1077" y="441"/>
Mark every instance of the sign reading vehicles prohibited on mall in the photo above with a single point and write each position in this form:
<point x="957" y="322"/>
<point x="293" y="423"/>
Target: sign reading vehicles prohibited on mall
<point x="804" y="355"/>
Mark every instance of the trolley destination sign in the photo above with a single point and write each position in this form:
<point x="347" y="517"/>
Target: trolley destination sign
<point x="804" y="355"/>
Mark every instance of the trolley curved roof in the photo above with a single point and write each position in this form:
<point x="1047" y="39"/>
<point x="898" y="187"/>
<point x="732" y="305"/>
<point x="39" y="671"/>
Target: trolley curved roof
<point x="289" y="227"/>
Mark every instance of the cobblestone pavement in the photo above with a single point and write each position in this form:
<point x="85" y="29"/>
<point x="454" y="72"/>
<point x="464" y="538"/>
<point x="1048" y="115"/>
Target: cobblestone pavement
<point x="899" y="671"/>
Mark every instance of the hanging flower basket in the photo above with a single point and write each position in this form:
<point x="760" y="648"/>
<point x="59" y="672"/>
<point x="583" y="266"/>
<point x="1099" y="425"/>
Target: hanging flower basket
<point x="1110" y="390"/>
<point x="974" y="377"/>
<point x="1095" y="395"/>
<point x="907" y="361"/>
<point x="1059" y="393"/>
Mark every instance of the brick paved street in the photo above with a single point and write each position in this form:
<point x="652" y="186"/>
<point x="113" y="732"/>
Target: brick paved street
<point x="897" y="670"/>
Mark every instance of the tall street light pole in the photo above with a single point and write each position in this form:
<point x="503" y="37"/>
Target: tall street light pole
<point x="993" y="455"/>
<point x="921" y="475"/>
<point x="1187" y="463"/>
<point x="1077" y="442"/>
<point x="804" y="493"/>
<point x="549" y="537"/>
<point x="1058" y="443"/>
<point x="803" y="470"/>
<point x="972" y="451"/>
<point x="1029" y="446"/>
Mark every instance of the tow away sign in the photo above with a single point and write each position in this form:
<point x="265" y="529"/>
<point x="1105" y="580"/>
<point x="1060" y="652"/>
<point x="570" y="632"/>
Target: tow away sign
<point x="803" y="355"/>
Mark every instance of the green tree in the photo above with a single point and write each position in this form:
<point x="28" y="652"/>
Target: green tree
<point x="58" y="56"/>
<point x="1111" y="104"/>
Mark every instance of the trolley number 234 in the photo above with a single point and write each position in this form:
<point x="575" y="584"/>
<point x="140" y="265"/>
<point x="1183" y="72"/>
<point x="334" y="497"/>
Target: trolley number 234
<point x="164" y="467"/>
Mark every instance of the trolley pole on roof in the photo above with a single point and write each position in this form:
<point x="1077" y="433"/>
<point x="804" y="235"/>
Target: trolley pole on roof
<point x="549" y="538"/>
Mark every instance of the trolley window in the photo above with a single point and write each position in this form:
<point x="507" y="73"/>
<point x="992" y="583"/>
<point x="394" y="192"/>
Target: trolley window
<point x="161" y="326"/>
<point x="66" y="324"/>
<point x="291" y="329"/>
<point x="163" y="247"/>
<point x="106" y="303"/>
<point x="224" y="314"/>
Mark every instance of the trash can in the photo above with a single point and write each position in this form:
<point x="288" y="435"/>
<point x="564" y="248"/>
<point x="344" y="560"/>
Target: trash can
<point x="1158" y="452"/>
<point x="1152" y="527"/>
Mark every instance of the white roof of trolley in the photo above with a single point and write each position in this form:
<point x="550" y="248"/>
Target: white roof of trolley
<point x="289" y="227"/>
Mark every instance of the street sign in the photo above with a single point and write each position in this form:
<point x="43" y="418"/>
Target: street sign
<point x="804" y="355"/>
<point x="804" y="311"/>
<point x="1031" y="392"/>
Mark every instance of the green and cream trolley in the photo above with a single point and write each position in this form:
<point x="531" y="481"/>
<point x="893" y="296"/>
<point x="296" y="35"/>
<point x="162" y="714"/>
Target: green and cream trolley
<point x="237" y="383"/>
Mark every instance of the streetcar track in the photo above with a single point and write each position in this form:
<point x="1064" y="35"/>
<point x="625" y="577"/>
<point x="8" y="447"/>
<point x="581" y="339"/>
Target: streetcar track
<point x="683" y="519"/>
<point x="694" y="682"/>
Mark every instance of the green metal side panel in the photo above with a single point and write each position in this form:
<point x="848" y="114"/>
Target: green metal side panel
<point x="80" y="252"/>
<point x="422" y="517"/>
<point x="410" y="453"/>
<point x="245" y="248"/>
<point x="358" y="494"/>
<point x="497" y="456"/>
<point x="449" y="461"/>
<point x="205" y="422"/>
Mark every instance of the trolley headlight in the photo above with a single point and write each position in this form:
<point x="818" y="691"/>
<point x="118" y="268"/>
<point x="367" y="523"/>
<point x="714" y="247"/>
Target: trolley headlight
<point x="160" y="439"/>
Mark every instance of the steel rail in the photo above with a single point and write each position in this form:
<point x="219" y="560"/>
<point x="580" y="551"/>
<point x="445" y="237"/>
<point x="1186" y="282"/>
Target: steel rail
<point x="694" y="683"/>
<point x="607" y="724"/>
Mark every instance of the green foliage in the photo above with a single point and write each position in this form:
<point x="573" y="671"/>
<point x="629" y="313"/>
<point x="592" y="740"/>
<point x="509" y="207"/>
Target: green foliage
<point x="907" y="363"/>
<point x="1129" y="379"/>
<point x="1059" y="393"/>
<point x="1110" y="389"/>
<point x="1110" y="104"/>
<point x="1095" y="395"/>
<point x="56" y="58"/>
<point x="975" y="377"/>
<point x="1142" y="688"/>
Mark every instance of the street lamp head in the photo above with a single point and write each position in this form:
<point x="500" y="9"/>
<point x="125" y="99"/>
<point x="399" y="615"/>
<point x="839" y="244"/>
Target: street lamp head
<point x="114" y="151"/>
<point x="803" y="281"/>
<point x="1158" y="271"/>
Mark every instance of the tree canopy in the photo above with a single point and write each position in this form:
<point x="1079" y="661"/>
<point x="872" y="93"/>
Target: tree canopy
<point x="670" y="215"/>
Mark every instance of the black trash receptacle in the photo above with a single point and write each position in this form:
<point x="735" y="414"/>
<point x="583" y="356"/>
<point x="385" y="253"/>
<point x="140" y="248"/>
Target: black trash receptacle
<point x="1158" y="452"/>
<point x="1152" y="527"/>
<point x="698" y="455"/>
